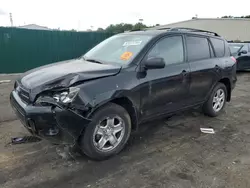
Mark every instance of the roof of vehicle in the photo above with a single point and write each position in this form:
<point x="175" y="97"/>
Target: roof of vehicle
<point x="145" y="32"/>
<point x="155" y="32"/>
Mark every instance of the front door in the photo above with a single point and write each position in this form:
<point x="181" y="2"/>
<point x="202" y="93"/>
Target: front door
<point x="243" y="60"/>
<point x="166" y="90"/>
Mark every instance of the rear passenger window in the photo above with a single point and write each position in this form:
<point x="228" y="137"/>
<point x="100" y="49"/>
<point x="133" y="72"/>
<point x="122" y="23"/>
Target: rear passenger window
<point x="197" y="48"/>
<point x="219" y="47"/>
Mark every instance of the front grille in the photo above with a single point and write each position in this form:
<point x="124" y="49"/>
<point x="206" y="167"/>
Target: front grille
<point x="18" y="109"/>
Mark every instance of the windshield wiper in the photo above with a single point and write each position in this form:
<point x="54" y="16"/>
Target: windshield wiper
<point x="94" y="61"/>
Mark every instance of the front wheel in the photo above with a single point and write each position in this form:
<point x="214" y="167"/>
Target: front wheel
<point x="216" y="102"/>
<point x="108" y="132"/>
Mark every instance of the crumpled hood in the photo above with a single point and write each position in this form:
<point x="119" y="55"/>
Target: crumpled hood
<point x="64" y="74"/>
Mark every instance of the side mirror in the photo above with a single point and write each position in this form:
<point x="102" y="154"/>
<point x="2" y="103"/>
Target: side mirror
<point x="243" y="52"/>
<point x="154" y="63"/>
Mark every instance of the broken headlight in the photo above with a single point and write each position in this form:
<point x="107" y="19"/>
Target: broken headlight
<point x="67" y="96"/>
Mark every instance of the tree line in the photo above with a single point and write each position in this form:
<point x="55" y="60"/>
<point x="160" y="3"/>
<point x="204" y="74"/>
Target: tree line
<point x="248" y="16"/>
<point x="122" y="27"/>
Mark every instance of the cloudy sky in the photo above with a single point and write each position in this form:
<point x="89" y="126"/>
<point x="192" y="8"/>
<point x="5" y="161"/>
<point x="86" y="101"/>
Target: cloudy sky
<point x="82" y="14"/>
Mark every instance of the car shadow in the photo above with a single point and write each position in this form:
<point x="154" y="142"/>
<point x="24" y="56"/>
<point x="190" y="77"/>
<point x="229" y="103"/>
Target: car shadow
<point x="241" y="72"/>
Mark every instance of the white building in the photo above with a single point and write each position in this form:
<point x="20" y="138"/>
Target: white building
<point x="34" y="27"/>
<point x="229" y="28"/>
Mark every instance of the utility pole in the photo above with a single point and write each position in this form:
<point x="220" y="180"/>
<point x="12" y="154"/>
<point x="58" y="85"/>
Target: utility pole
<point x="11" y="20"/>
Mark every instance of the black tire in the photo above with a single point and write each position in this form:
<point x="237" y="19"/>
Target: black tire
<point x="208" y="105"/>
<point x="86" y="141"/>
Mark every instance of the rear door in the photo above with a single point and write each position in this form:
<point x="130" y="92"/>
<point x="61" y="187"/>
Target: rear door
<point x="204" y="66"/>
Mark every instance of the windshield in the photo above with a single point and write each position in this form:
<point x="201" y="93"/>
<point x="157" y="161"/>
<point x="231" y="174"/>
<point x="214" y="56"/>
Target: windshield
<point x="234" y="48"/>
<point x="120" y="49"/>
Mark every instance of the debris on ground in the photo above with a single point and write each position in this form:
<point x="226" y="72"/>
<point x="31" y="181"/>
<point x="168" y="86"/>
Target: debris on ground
<point x="207" y="130"/>
<point x="4" y="81"/>
<point x="25" y="139"/>
<point x="65" y="152"/>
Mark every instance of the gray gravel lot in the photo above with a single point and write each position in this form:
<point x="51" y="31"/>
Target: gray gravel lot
<point x="164" y="153"/>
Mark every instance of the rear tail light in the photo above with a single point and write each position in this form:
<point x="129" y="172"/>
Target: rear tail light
<point x="233" y="58"/>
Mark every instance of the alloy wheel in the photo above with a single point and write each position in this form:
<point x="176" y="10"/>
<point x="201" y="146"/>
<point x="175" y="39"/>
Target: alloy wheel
<point x="109" y="133"/>
<point x="218" y="100"/>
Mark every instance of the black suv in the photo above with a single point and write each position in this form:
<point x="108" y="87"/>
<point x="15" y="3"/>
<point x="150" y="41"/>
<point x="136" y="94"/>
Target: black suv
<point x="241" y="51"/>
<point x="95" y="101"/>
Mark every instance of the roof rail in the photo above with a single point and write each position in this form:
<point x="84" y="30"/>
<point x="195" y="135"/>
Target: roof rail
<point x="190" y="30"/>
<point x="164" y="28"/>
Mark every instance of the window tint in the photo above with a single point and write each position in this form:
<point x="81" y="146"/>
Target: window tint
<point x="219" y="47"/>
<point x="170" y="49"/>
<point x="197" y="48"/>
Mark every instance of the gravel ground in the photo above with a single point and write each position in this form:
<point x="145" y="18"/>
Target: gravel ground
<point x="164" y="153"/>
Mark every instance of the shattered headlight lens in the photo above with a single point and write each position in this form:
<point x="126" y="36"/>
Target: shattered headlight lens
<point x="67" y="96"/>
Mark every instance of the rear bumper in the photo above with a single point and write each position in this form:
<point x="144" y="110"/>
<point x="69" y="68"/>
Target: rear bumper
<point x="233" y="82"/>
<point x="54" y="123"/>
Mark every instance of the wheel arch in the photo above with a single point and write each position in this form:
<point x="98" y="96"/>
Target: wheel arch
<point x="127" y="104"/>
<point x="227" y="83"/>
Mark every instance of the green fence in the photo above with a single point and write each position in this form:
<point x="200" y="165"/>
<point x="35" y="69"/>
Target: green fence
<point x="24" y="49"/>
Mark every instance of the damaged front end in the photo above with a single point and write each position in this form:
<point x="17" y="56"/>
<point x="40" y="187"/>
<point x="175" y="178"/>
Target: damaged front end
<point x="51" y="101"/>
<point x="52" y="116"/>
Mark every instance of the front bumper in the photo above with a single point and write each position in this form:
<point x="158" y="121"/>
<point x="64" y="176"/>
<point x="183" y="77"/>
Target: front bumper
<point x="54" y="123"/>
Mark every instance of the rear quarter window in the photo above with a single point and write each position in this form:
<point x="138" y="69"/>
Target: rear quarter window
<point x="197" y="48"/>
<point x="219" y="47"/>
<point x="227" y="50"/>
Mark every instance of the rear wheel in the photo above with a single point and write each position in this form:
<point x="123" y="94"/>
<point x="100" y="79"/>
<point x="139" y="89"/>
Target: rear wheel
<point x="216" y="102"/>
<point x="108" y="132"/>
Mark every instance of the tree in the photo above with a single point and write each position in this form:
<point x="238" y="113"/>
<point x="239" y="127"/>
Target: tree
<point x="247" y="16"/>
<point x="100" y="29"/>
<point x="122" y="27"/>
<point x="139" y="26"/>
<point x="119" y="28"/>
<point x="227" y="17"/>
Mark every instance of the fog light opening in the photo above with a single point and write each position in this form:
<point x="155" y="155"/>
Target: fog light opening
<point x="52" y="131"/>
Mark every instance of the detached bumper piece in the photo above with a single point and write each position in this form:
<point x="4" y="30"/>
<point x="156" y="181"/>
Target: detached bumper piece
<point x="56" y="124"/>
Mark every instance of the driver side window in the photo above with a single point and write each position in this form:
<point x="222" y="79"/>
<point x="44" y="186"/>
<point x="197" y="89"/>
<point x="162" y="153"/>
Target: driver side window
<point x="170" y="49"/>
<point x="245" y="47"/>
